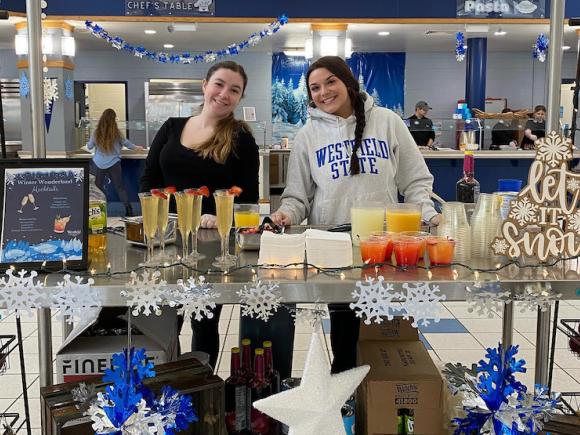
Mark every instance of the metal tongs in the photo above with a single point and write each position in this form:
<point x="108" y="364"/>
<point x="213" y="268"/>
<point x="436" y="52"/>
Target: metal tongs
<point x="269" y="225"/>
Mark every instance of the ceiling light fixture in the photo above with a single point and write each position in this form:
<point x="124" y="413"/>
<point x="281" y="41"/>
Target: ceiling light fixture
<point x="384" y="33"/>
<point x="500" y="32"/>
<point x="150" y="32"/>
<point x="566" y="47"/>
<point x="168" y="45"/>
<point x="295" y="53"/>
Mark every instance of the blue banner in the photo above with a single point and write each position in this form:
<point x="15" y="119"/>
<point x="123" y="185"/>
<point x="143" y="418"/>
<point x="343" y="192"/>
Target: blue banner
<point x="169" y="8"/>
<point x="501" y="8"/>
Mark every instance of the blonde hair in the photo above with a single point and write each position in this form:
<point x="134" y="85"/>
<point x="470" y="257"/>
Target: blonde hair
<point x="107" y="132"/>
<point x="221" y="144"/>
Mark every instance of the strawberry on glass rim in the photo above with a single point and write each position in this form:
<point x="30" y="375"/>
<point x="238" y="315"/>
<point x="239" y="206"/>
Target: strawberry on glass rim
<point x="158" y="193"/>
<point x="202" y="191"/>
<point x="235" y="190"/>
<point x="170" y="190"/>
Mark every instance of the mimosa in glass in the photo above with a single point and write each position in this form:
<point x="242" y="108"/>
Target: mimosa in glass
<point x="184" y="204"/>
<point x="366" y="218"/>
<point x="163" y="196"/>
<point x="403" y="217"/>
<point x="224" y="206"/>
<point x="196" y="198"/>
<point x="149" y="211"/>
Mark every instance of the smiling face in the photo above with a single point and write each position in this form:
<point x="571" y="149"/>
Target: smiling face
<point x="329" y="93"/>
<point x="222" y="92"/>
<point x="540" y="115"/>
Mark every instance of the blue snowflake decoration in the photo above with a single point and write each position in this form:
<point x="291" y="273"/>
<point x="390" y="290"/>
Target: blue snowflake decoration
<point x="187" y="58"/>
<point x="541" y="48"/>
<point x="497" y="403"/>
<point x="24" y="85"/>
<point x="69" y="89"/>
<point x="460" y="47"/>
<point x="127" y="405"/>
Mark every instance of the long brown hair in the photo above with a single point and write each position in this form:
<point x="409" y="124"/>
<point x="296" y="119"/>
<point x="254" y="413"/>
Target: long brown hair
<point x="221" y="144"/>
<point x="107" y="132"/>
<point x="340" y="69"/>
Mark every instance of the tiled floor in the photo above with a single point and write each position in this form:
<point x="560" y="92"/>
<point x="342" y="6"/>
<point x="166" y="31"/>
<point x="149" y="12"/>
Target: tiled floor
<point x="460" y="336"/>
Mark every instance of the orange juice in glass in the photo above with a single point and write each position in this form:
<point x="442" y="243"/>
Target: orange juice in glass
<point x="366" y="218"/>
<point x="246" y="215"/>
<point x="403" y="217"/>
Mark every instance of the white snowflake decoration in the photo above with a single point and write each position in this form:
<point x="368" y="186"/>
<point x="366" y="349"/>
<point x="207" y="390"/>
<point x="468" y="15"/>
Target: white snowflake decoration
<point x="142" y="422"/>
<point x="537" y="295"/>
<point x="260" y="300"/>
<point x="573" y="184"/>
<point x="74" y="298"/>
<point x="500" y="246"/>
<point x="311" y="316"/>
<point x="574" y="221"/>
<point x="374" y="300"/>
<point x="145" y="292"/>
<point x="50" y="93"/>
<point x="524" y="211"/>
<point x="485" y="299"/>
<point x="22" y="293"/>
<point x="197" y="299"/>
<point x="421" y="302"/>
<point x="553" y="150"/>
<point x="79" y="175"/>
<point x="10" y="178"/>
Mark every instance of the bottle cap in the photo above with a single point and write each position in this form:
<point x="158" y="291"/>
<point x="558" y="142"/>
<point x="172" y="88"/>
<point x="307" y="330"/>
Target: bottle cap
<point x="235" y="350"/>
<point x="246" y="342"/>
<point x="259" y="351"/>
<point x="267" y="343"/>
<point x="468" y="153"/>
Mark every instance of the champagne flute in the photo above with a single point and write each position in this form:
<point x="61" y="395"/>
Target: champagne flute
<point x="149" y="210"/>
<point x="23" y="203"/>
<point x="32" y="201"/>
<point x="162" y="219"/>
<point x="184" y="204"/>
<point x="196" y="196"/>
<point x="224" y="205"/>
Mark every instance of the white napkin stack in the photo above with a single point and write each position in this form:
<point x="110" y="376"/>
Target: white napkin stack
<point x="281" y="248"/>
<point x="327" y="249"/>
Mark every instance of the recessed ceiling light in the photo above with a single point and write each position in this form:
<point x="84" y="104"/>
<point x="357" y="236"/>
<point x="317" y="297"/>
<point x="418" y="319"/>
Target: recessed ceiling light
<point x="168" y="45"/>
<point x="566" y="47"/>
<point x="384" y="33"/>
<point x="150" y="32"/>
<point x="500" y="33"/>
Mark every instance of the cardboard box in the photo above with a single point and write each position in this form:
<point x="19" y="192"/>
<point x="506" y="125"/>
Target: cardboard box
<point x="402" y="376"/>
<point x="81" y="358"/>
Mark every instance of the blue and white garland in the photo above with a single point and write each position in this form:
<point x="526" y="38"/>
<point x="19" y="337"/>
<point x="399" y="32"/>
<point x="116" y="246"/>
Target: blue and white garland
<point x="187" y="58"/>
<point x="460" y="47"/>
<point x="127" y="407"/>
<point x="495" y="402"/>
<point x="541" y="48"/>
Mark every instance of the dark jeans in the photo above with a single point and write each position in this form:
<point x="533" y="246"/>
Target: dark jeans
<point x="115" y="173"/>
<point x="206" y="337"/>
<point x="344" y="330"/>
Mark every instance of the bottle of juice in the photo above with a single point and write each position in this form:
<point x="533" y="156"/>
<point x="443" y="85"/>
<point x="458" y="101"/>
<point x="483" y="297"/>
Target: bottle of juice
<point x="97" y="218"/>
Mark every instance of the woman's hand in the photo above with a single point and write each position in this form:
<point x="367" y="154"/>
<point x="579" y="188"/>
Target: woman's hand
<point x="208" y="221"/>
<point x="280" y="218"/>
<point x="435" y="220"/>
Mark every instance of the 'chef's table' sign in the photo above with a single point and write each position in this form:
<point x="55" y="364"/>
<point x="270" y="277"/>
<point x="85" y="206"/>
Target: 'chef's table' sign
<point x="501" y="8"/>
<point x="169" y="8"/>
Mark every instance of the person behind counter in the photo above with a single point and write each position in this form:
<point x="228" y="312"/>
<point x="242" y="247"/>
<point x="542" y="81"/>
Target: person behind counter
<point x="212" y="149"/>
<point x="374" y="158"/>
<point x="535" y="128"/>
<point x="108" y="142"/>
<point x="503" y="133"/>
<point x="420" y="126"/>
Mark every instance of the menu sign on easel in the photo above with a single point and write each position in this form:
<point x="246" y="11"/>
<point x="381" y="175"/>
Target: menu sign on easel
<point x="544" y="219"/>
<point x="45" y="213"/>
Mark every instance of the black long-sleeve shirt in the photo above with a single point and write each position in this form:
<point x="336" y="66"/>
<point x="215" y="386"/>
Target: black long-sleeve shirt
<point x="169" y="163"/>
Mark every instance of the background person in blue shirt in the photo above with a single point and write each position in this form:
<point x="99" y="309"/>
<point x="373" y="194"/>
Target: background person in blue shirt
<point x="108" y="142"/>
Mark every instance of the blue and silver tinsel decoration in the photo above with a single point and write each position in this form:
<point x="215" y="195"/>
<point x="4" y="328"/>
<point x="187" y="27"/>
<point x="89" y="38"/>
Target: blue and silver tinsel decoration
<point x="495" y="402"/>
<point x="127" y="407"/>
<point x="187" y="58"/>
<point x="541" y="48"/>
<point x="460" y="47"/>
<point x="24" y="85"/>
<point x="69" y="92"/>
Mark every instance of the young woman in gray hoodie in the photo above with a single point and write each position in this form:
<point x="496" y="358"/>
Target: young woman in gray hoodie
<point x="349" y="150"/>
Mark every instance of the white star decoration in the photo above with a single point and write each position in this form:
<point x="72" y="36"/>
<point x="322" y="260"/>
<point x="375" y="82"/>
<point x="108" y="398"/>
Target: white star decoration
<point x="314" y="407"/>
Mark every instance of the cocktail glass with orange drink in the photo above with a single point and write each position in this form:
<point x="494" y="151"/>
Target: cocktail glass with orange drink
<point x="407" y="249"/>
<point x="440" y="250"/>
<point x="149" y="211"/>
<point x="421" y="235"/>
<point x="373" y="250"/>
<point x="403" y="217"/>
<point x="386" y="238"/>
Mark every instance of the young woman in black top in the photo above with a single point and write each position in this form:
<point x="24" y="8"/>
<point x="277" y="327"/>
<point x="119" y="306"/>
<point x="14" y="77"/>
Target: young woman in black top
<point x="212" y="149"/>
<point x="535" y="128"/>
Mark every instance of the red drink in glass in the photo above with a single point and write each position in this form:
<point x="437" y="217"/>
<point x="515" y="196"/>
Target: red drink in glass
<point x="407" y="250"/>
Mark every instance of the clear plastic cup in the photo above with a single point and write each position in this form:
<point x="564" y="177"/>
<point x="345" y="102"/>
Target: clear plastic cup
<point x="387" y="239"/>
<point x="406" y="250"/>
<point x="365" y="218"/>
<point x="373" y="250"/>
<point x="420" y="234"/>
<point x="440" y="250"/>
<point x="246" y="215"/>
<point x="403" y="217"/>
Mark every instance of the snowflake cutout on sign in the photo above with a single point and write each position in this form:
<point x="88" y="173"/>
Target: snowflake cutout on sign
<point x="485" y="299"/>
<point x="197" y="299"/>
<point x="74" y="298"/>
<point x="421" y="302"/>
<point x="573" y="184"/>
<point x="79" y="175"/>
<point x="145" y="292"/>
<point x="524" y="211"/>
<point x="574" y="221"/>
<point x="10" y="178"/>
<point x="553" y="150"/>
<point x="21" y="293"/>
<point x="537" y="295"/>
<point x="499" y="246"/>
<point x="68" y="89"/>
<point x="24" y="85"/>
<point x="50" y="93"/>
<point x="260" y="300"/>
<point x="310" y="316"/>
<point x="374" y="300"/>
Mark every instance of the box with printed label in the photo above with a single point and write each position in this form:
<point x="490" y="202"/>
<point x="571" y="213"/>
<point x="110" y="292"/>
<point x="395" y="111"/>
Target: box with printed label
<point x="403" y="386"/>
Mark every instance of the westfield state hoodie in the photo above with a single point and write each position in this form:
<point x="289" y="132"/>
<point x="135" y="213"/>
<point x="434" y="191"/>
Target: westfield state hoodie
<point x="319" y="186"/>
